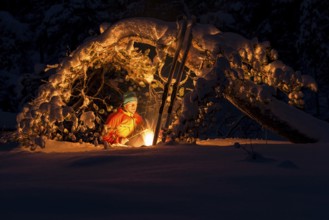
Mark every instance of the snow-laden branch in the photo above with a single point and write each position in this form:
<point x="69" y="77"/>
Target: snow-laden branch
<point x="248" y="73"/>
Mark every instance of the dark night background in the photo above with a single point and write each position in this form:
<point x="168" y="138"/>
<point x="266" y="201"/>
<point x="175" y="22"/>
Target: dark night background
<point x="36" y="33"/>
<point x="224" y="179"/>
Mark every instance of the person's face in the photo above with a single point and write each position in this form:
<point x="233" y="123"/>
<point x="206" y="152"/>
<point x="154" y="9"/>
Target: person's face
<point x="131" y="107"/>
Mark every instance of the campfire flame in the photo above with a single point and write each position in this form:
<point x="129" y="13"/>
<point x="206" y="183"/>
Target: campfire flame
<point x="148" y="137"/>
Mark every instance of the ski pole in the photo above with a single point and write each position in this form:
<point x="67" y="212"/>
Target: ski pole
<point x="171" y="74"/>
<point x="186" y="44"/>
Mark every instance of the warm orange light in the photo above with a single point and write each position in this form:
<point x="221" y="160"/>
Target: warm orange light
<point x="148" y="137"/>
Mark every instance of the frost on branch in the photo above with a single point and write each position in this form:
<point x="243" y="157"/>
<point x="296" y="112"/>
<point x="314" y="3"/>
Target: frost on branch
<point x="132" y="55"/>
<point x="249" y="75"/>
<point x="87" y="85"/>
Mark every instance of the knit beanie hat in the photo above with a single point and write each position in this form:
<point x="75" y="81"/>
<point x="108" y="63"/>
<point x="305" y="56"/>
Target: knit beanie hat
<point x="129" y="97"/>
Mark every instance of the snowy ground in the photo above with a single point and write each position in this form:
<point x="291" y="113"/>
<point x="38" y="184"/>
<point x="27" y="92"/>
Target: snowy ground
<point x="208" y="180"/>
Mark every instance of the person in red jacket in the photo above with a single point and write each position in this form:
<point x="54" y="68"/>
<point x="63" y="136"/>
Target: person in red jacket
<point x="122" y="123"/>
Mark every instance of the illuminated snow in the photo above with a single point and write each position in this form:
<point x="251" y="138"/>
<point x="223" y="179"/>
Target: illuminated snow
<point x="247" y="70"/>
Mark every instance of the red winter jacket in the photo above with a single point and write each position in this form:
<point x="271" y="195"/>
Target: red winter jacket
<point x="120" y="125"/>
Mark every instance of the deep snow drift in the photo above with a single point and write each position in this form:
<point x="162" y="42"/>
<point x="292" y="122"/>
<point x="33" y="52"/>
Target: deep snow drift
<point x="213" y="179"/>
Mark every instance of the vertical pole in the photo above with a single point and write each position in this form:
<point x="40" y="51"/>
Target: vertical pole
<point x="187" y="44"/>
<point x="180" y="38"/>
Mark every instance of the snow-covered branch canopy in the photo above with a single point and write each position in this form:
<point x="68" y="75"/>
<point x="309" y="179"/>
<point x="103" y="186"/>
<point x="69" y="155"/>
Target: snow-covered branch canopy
<point x="245" y="72"/>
